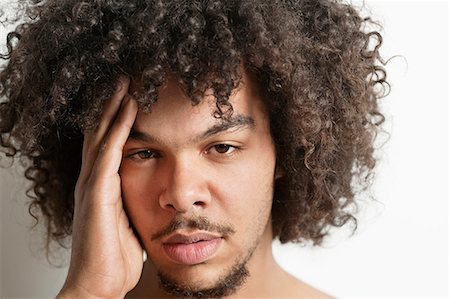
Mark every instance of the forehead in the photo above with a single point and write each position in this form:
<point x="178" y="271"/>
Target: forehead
<point x="173" y="115"/>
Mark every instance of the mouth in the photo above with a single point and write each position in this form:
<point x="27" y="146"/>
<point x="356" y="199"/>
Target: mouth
<point x="191" y="249"/>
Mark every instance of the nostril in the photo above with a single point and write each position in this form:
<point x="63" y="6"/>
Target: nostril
<point x="199" y="203"/>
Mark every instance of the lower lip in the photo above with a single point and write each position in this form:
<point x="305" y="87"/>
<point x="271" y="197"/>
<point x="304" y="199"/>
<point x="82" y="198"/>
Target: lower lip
<point x="194" y="253"/>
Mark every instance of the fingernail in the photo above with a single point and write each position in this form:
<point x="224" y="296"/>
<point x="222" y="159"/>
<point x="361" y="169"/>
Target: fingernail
<point x="121" y="83"/>
<point x="119" y="86"/>
<point x="144" y="255"/>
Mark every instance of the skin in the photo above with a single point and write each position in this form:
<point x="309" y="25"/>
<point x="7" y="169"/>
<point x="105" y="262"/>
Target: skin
<point x="106" y="259"/>
<point x="189" y="177"/>
<point x="174" y="165"/>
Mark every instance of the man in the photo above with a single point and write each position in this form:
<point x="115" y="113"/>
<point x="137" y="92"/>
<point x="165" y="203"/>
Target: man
<point x="191" y="132"/>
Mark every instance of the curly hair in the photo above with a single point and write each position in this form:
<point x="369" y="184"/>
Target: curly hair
<point x="314" y="60"/>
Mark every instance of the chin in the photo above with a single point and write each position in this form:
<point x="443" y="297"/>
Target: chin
<point x="201" y="274"/>
<point x="200" y="282"/>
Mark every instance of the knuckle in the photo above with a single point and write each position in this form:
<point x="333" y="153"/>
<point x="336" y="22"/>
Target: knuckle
<point x="103" y="147"/>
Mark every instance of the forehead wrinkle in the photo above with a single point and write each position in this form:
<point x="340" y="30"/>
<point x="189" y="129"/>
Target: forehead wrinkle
<point x="235" y="122"/>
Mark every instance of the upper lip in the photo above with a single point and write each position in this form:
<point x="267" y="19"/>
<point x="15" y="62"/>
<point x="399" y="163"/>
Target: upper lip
<point x="179" y="238"/>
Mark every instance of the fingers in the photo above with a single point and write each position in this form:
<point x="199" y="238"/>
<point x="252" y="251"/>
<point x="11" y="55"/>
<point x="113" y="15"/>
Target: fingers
<point x="93" y="139"/>
<point x="109" y="156"/>
<point x="111" y="108"/>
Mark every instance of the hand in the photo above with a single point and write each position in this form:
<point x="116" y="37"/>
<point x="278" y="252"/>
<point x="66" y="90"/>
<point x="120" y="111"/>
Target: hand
<point x="107" y="259"/>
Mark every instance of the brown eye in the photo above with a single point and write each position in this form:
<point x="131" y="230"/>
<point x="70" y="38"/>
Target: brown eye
<point x="147" y="154"/>
<point x="223" y="148"/>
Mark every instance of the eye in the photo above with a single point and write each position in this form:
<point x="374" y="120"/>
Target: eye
<point x="224" y="148"/>
<point x="144" y="155"/>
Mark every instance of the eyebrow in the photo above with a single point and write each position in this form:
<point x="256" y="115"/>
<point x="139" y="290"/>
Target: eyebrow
<point x="236" y="122"/>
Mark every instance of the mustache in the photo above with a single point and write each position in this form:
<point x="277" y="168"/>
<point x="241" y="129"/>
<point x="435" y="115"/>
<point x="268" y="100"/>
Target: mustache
<point x="199" y="222"/>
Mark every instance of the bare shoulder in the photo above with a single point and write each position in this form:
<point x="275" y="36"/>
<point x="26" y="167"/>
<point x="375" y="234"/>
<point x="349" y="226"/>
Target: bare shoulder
<point x="295" y="288"/>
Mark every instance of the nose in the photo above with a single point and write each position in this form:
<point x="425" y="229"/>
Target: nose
<point x="186" y="188"/>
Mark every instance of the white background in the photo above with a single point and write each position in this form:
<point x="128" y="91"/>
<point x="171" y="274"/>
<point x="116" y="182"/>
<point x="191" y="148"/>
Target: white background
<point x="401" y="247"/>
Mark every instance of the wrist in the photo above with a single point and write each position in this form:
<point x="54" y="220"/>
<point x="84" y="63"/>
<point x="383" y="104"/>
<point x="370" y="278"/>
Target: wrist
<point x="73" y="292"/>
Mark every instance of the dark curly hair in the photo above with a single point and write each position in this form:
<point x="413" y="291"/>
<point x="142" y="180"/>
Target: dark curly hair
<point x="316" y="62"/>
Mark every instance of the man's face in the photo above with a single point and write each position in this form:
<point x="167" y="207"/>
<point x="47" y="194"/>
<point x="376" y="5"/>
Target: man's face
<point x="199" y="189"/>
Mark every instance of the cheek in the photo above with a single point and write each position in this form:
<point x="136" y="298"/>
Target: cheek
<point x="132" y="183"/>
<point x="137" y="180"/>
<point x="247" y="189"/>
<point x="137" y="193"/>
<point x="246" y="201"/>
